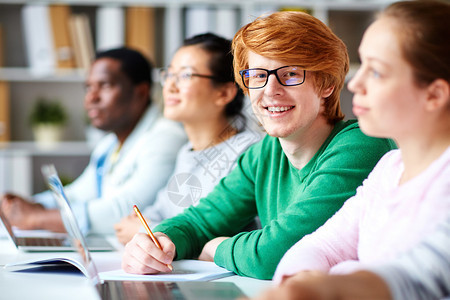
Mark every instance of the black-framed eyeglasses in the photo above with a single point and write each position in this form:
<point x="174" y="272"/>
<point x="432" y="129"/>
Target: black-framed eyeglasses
<point x="181" y="77"/>
<point x="257" y="78"/>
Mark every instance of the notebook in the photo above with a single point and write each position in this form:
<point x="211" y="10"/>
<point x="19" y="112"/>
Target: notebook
<point x="41" y="241"/>
<point x="132" y="289"/>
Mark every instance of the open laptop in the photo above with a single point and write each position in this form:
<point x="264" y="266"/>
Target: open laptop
<point x="51" y="242"/>
<point x="112" y="289"/>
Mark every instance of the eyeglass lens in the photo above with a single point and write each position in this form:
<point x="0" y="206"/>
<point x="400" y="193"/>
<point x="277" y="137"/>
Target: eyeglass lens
<point x="182" y="76"/>
<point x="287" y="76"/>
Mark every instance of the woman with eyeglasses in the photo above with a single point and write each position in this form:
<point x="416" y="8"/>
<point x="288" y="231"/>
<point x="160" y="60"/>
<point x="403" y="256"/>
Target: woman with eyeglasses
<point x="200" y="92"/>
<point x="293" y="68"/>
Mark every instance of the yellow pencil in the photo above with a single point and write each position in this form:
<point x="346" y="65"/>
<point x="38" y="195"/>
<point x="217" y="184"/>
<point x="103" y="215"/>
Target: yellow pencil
<point x="150" y="233"/>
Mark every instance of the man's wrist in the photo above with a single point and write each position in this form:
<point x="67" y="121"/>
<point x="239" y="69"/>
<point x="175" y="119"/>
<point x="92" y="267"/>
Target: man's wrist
<point x="49" y="219"/>
<point x="38" y="218"/>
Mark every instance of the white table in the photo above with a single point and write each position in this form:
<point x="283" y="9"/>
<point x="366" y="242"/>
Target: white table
<point x="71" y="285"/>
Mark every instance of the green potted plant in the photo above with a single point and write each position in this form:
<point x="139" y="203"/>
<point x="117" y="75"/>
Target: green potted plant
<point x="47" y="119"/>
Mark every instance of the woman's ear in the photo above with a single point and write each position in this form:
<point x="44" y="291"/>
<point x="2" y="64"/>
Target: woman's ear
<point x="438" y="95"/>
<point x="226" y="93"/>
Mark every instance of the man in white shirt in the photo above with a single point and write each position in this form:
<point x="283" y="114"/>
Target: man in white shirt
<point x="128" y="166"/>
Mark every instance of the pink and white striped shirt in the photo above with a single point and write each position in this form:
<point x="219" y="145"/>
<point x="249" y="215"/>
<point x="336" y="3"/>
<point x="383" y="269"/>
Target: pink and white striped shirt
<point x="384" y="219"/>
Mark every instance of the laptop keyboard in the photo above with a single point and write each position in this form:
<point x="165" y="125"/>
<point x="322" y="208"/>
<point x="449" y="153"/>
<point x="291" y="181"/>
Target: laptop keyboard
<point x="35" y="241"/>
<point x="140" y="290"/>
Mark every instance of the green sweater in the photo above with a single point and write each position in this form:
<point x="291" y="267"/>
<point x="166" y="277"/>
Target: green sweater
<point x="289" y="202"/>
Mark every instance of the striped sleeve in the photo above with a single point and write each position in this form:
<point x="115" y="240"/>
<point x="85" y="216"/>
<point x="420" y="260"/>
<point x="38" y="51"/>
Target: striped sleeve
<point x="423" y="272"/>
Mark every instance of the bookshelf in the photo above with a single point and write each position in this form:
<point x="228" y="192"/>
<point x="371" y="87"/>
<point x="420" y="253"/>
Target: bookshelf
<point x="347" y="18"/>
<point x="20" y="164"/>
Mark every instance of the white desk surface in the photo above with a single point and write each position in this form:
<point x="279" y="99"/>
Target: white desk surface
<point x="71" y="285"/>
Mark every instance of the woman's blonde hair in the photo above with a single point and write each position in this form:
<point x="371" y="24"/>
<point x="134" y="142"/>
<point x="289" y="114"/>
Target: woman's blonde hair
<point x="297" y="38"/>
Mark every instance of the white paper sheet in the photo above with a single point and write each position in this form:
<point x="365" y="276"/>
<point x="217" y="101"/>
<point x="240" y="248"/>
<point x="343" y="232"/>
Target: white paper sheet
<point x="183" y="270"/>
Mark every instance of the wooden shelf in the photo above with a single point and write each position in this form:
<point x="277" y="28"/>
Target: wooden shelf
<point x="27" y="75"/>
<point x="66" y="148"/>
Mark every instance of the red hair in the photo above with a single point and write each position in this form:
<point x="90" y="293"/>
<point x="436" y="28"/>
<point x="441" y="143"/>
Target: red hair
<point x="297" y="38"/>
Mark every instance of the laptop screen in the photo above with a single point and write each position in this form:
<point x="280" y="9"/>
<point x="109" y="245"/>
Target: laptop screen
<point x="8" y="227"/>
<point x="69" y="220"/>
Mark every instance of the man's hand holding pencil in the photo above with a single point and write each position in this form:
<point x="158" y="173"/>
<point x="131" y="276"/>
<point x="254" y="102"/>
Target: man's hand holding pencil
<point x="148" y="253"/>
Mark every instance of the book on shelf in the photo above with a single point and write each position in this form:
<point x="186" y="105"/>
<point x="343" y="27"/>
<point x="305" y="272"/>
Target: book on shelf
<point x="140" y="30"/>
<point x="38" y="38"/>
<point x="226" y="22"/>
<point x="173" y="24"/>
<point x="59" y="17"/>
<point x="262" y="10"/>
<point x="307" y="10"/>
<point x="199" y="19"/>
<point x="81" y="37"/>
<point x="75" y="39"/>
<point x="4" y="112"/>
<point x="110" y="27"/>
<point x="2" y="53"/>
